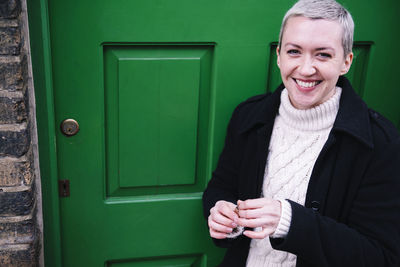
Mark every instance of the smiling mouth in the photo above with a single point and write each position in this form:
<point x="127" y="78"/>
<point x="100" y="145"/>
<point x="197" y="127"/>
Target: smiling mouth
<point x="307" y="84"/>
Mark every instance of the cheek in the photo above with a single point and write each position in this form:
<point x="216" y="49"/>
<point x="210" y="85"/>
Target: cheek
<point x="331" y="71"/>
<point x="331" y="75"/>
<point x="286" y="67"/>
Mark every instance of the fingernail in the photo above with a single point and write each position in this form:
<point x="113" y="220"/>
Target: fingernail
<point x="236" y="210"/>
<point x="234" y="224"/>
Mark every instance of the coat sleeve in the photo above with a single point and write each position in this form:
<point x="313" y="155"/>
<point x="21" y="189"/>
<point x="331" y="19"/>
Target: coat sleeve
<point x="223" y="183"/>
<point x="370" y="237"/>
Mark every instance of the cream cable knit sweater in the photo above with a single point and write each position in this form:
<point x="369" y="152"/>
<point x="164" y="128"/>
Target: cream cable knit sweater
<point x="297" y="139"/>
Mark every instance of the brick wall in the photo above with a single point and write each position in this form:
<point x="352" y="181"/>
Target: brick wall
<point x="19" y="193"/>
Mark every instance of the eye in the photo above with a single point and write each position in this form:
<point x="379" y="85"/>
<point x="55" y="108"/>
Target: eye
<point x="324" y="55"/>
<point x="293" y="52"/>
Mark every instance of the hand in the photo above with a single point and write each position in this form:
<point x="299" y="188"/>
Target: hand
<point x="260" y="212"/>
<point x="222" y="219"/>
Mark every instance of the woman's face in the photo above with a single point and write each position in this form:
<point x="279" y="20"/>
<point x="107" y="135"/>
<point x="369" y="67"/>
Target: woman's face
<point x="311" y="59"/>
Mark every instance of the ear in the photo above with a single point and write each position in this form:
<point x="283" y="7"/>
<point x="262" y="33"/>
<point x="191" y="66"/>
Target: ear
<point x="278" y="57"/>
<point x="347" y="63"/>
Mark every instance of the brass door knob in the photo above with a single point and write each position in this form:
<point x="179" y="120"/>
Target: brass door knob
<point x="69" y="127"/>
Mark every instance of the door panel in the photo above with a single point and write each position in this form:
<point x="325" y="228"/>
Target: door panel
<point x="152" y="85"/>
<point x="159" y="95"/>
<point x="189" y="261"/>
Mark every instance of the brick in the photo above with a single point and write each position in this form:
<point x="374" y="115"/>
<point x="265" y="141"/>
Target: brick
<point x="12" y="72"/>
<point x="17" y="203"/>
<point x="10" y="40"/>
<point x="21" y="232"/>
<point x="16" y="172"/>
<point x="12" y="110"/>
<point x="19" y="255"/>
<point x="14" y="142"/>
<point x="9" y="9"/>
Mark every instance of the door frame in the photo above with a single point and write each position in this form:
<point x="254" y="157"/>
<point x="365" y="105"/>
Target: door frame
<point x="38" y="20"/>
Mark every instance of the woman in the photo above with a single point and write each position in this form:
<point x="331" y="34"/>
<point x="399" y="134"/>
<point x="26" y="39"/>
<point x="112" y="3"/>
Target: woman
<point x="309" y="172"/>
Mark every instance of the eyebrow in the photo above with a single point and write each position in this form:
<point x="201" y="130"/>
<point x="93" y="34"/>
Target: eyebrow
<point x="325" y="48"/>
<point x="295" y="45"/>
<point x="318" y="49"/>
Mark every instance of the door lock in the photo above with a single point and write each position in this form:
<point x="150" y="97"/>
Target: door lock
<point x="63" y="188"/>
<point x="69" y="127"/>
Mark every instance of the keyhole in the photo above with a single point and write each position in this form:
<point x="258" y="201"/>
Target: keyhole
<point x="65" y="188"/>
<point x="69" y="127"/>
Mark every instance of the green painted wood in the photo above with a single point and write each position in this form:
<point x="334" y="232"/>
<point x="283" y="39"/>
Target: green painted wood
<point x="42" y="73"/>
<point x="130" y="204"/>
<point x="189" y="261"/>
<point x="176" y="154"/>
<point x="153" y="130"/>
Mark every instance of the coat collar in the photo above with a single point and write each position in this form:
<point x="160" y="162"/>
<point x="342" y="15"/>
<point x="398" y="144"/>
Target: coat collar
<point x="352" y="117"/>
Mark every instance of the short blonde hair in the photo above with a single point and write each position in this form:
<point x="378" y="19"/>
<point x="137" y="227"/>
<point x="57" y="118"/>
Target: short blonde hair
<point x="323" y="9"/>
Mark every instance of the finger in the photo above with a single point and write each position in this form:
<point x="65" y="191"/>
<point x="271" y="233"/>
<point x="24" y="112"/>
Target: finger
<point x="250" y="213"/>
<point x="230" y="205"/>
<point x="258" y="222"/>
<point x="228" y="210"/>
<point x="221" y="219"/>
<point x="217" y="235"/>
<point x="219" y="227"/>
<point x="224" y="214"/>
<point x="253" y="203"/>
<point x="266" y="211"/>
<point x="221" y="203"/>
<point x="258" y="235"/>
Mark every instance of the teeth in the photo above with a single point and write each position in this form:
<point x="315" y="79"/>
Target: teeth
<point x="306" y="84"/>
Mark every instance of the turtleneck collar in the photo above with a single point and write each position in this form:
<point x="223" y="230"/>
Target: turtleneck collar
<point x="320" y="117"/>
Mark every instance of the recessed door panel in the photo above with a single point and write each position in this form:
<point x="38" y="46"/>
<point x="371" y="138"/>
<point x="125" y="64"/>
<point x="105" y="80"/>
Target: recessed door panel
<point x="156" y="109"/>
<point x="177" y="261"/>
<point x="158" y="97"/>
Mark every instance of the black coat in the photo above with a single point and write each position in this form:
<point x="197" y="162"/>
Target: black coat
<point x="351" y="215"/>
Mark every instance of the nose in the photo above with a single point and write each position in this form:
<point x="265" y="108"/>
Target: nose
<point x="307" y="67"/>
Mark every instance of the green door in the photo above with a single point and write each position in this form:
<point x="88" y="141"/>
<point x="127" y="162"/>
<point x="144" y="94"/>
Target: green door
<point x="152" y="84"/>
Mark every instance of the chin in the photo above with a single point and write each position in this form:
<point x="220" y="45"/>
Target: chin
<point x="304" y="103"/>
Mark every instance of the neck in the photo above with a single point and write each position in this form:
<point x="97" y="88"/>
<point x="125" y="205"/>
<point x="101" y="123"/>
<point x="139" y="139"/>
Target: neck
<point x="313" y="119"/>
